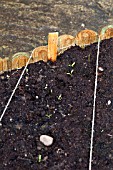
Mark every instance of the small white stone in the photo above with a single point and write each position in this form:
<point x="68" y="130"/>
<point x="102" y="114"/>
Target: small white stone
<point x="8" y="76"/>
<point x="46" y="86"/>
<point x="47" y="105"/>
<point x="109" y="102"/>
<point x="82" y="25"/>
<point x="11" y="119"/>
<point x="100" y="69"/>
<point x="25" y="155"/>
<point x="109" y="135"/>
<point x="46" y="140"/>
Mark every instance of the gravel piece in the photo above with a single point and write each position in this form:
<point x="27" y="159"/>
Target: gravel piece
<point x="46" y="140"/>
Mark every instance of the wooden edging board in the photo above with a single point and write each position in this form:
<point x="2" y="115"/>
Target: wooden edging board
<point x="56" y="46"/>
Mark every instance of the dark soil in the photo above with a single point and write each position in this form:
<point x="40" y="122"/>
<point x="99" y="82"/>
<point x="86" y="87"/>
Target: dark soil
<point x="50" y="101"/>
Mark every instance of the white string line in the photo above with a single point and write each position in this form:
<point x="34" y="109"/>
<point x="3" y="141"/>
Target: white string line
<point x="4" y="111"/>
<point x="1" y="117"/>
<point x="93" y="118"/>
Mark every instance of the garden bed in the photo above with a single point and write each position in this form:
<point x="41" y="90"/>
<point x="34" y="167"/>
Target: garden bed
<point x="56" y="99"/>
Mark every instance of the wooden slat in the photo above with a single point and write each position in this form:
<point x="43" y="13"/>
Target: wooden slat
<point x="15" y="64"/>
<point x="1" y="64"/>
<point x="106" y="32"/>
<point x="52" y="46"/>
<point x="5" y="64"/>
<point x="40" y="53"/>
<point x="19" y="60"/>
<point x="22" y="61"/>
<point x="86" y="37"/>
<point x="65" y="42"/>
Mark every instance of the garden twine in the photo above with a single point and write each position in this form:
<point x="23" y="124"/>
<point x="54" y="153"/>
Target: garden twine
<point x="3" y="113"/>
<point x="95" y="91"/>
<point x="94" y="103"/>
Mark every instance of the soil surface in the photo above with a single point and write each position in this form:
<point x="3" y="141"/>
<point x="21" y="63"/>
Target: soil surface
<point x="25" y="24"/>
<point x="56" y="99"/>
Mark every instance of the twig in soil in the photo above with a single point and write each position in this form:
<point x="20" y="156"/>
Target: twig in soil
<point x="89" y="57"/>
<point x="1" y="117"/>
<point x="93" y="118"/>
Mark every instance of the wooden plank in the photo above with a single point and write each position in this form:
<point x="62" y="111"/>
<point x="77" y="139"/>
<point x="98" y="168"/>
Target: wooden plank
<point x="40" y="53"/>
<point x="1" y="64"/>
<point x="52" y="46"/>
<point x="22" y="61"/>
<point x="19" y="60"/>
<point x="15" y="64"/>
<point x="65" y="42"/>
<point x="5" y="64"/>
<point x="86" y="37"/>
<point x="106" y="32"/>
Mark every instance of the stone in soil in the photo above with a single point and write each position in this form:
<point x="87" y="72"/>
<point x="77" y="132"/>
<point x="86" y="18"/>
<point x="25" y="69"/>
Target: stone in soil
<point x="46" y="140"/>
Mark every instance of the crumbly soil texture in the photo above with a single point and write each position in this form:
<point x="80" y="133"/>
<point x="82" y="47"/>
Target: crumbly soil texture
<point x="56" y="99"/>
